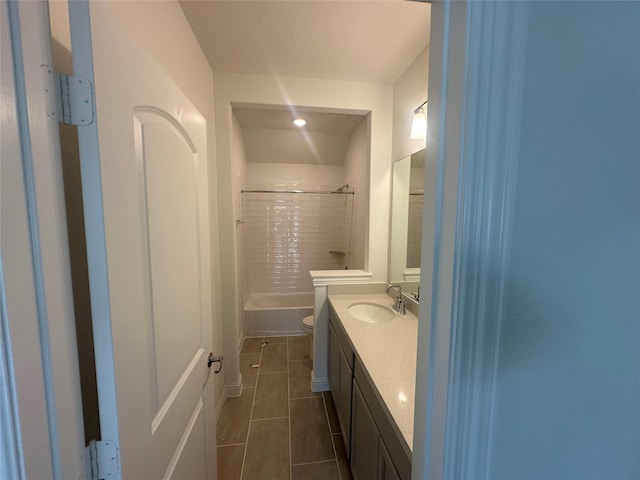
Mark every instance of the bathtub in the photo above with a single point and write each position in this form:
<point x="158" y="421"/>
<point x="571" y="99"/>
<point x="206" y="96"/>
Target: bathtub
<point x="276" y="314"/>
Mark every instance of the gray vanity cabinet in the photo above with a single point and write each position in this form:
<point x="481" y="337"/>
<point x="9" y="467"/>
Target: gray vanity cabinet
<point x="365" y="439"/>
<point x="372" y="443"/>
<point x="370" y="459"/>
<point x="391" y="457"/>
<point x="386" y="469"/>
<point x="341" y="380"/>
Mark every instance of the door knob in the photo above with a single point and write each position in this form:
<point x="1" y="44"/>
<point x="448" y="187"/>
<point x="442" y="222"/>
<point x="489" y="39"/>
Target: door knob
<point x="214" y="359"/>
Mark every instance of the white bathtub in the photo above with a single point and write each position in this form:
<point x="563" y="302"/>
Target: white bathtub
<point x="276" y="314"/>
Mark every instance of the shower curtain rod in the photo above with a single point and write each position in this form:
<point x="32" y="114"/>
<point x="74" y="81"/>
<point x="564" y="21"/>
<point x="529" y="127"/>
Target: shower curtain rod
<point x="312" y="192"/>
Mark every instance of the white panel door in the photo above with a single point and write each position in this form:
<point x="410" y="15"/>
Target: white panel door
<point x="144" y="170"/>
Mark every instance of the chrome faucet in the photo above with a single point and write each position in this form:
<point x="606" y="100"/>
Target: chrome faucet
<point x="398" y="304"/>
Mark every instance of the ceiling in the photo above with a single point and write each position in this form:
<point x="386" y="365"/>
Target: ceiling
<point x="270" y="136"/>
<point x="282" y="120"/>
<point x="358" y="40"/>
<point x="355" y="40"/>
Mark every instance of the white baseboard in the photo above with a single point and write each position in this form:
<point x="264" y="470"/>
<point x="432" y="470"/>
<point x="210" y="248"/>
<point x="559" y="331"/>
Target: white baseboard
<point x="233" y="389"/>
<point x="320" y="384"/>
<point x="230" y="390"/>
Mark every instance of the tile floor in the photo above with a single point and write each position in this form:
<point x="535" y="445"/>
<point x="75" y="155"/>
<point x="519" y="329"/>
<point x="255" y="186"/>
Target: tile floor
<point x="278" y="428"/>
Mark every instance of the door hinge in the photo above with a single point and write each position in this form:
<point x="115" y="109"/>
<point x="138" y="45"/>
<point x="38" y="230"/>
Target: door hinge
<point x="100" y="461"/>
<point x="68" y="98"/>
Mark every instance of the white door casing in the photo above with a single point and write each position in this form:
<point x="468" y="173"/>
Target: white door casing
<point x="41" y="404"/>
<point x="144" y="168"/>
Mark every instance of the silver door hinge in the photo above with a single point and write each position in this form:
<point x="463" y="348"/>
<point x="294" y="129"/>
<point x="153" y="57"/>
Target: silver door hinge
<point x="100" y="461"/>
<point x="68" y="98"/>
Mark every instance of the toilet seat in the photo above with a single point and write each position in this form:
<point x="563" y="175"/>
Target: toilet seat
<point x="307" y="324"/>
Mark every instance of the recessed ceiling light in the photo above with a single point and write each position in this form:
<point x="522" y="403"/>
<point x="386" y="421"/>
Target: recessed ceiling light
<point x="299" y="122"/>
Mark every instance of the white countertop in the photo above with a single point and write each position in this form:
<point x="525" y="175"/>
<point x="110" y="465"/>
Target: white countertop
<point x="388" y="353"/>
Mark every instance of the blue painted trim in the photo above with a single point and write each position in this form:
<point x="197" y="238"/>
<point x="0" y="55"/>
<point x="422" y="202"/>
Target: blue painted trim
<point x="437" y="240"/>
<point x="494" y="77"/>
<point x="32" y="212"/>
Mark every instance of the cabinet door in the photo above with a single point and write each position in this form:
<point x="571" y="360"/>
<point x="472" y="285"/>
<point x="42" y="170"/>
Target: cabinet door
<point x="340" y="381"/>
<point x="334" y="361"/>
<point x="364" y="439"/>
<point x="343" y="400"/>
<point x="386" y="468"/>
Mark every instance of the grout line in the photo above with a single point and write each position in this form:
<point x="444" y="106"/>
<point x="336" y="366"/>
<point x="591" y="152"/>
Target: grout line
<point x="289" y="412"/>
<point x="306" y="398"/>
<point x="318" y="461"/>
<point x="253" y="402"/>
<point x="230" y="445"/>
<point x="333" y="444"/>
<point x="270" y="418"/>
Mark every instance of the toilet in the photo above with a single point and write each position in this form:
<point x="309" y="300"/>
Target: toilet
<point x="307" y="326"/>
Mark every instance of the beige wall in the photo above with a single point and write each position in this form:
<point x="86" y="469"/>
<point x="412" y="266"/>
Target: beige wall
<point x="163" y="30"/>
<point x="409" y="91"/>
<point x="356" y="165"/>
<point x="270" y="145"/>
<point x="330" y="175"/>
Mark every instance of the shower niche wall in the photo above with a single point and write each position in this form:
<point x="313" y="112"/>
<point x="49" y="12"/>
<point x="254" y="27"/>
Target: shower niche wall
<point x="301" y="207"/>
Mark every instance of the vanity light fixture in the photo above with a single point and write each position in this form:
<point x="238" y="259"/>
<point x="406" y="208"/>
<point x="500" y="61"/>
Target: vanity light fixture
<point x="419" y="124"/>
<point x="299" y="122"/>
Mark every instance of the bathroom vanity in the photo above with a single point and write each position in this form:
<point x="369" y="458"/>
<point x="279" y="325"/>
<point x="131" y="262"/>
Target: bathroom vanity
<point x="372" y="359"/>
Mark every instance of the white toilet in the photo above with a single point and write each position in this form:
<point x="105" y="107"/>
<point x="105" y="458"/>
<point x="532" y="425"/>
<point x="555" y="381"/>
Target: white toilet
<point x="307" y="326"/>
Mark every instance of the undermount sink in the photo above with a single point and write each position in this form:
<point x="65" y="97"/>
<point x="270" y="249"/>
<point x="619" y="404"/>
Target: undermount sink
<point x="370" y="312"/>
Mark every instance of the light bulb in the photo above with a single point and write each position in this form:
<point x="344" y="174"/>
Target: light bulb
<point x="419" y="125"/>
<point x="299" y="122"/>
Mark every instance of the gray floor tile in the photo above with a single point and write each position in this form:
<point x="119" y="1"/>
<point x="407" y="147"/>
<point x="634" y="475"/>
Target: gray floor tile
<point x="234" y="419"/>
<point x="274" y="358"/>
<point x="334" y="423"/>
<point x="316" y="471"/>
<point x="268" y="450"/>
<point x="230" y="462"/>
<point x="310" y="437"/>
<point x="341" y="456"/>
<point x="300" y="379"/>
<point x="276" y="339"/>
<point x="249" y="375"/>
<point x="271" y="396"/>
<point x="299" y="347"/>
<point x="252" y="345"/>
<point x="318" y="450"/>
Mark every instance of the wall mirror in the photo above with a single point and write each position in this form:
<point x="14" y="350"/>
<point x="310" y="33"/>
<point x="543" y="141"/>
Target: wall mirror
<point x="407" y="205"/>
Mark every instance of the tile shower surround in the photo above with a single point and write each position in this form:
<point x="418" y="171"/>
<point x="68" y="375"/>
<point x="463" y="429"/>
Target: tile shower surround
<point x="279" y="429"/>
<point x="288" y="234"/>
